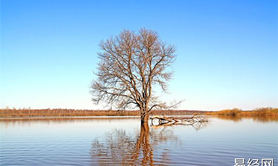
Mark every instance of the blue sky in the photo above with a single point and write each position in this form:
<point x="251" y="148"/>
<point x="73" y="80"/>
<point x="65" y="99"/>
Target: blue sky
<point x="227" y="51"/>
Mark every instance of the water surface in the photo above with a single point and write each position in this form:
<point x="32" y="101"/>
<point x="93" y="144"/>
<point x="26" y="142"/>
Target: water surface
<point x="125" y="142"/>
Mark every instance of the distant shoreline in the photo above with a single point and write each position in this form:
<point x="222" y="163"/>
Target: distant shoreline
<point x="67" y="117"/>
<point x="13" y="113"/>
<point x="98" y="114"/>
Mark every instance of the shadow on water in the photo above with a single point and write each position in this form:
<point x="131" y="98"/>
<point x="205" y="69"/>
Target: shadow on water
<point x="123" y="149"/>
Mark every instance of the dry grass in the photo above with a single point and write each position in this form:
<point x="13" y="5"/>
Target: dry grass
<point x="260" y="114"/>
<point x="72" y="112"/>
<point x="237" y="114"/>
<point x="61" y="112"/>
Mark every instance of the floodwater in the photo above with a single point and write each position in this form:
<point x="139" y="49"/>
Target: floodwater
<point x="125" y="142"/>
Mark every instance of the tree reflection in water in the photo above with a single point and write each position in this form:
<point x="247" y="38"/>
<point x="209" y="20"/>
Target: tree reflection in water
<point x="120" y="148"/>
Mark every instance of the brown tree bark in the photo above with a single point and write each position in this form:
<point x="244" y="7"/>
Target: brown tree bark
<point x="144" y="117"/>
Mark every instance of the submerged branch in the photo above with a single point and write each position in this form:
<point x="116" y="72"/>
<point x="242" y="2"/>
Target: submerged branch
<point x="197" y="121"/>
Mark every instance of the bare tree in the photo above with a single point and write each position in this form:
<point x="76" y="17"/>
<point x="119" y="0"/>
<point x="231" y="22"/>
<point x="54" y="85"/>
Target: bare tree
<point x="131" y="64"/>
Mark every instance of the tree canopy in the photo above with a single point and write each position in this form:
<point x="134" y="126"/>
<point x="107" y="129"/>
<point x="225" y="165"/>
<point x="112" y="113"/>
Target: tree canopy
<point x="131" y="64"/>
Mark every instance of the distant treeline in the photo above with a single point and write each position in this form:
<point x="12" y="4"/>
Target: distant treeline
<point x="73" y="112"/>
<point x="260" y="112"/>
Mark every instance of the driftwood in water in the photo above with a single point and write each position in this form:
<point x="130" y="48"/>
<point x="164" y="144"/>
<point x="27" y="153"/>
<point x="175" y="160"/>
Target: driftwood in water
<point x="194" y="120"/>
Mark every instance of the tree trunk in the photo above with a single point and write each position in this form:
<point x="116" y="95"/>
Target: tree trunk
<point x="144" y="117"/>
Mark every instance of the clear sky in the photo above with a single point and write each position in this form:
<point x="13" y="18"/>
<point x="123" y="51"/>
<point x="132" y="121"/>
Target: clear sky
<point x="227" y="51"/>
